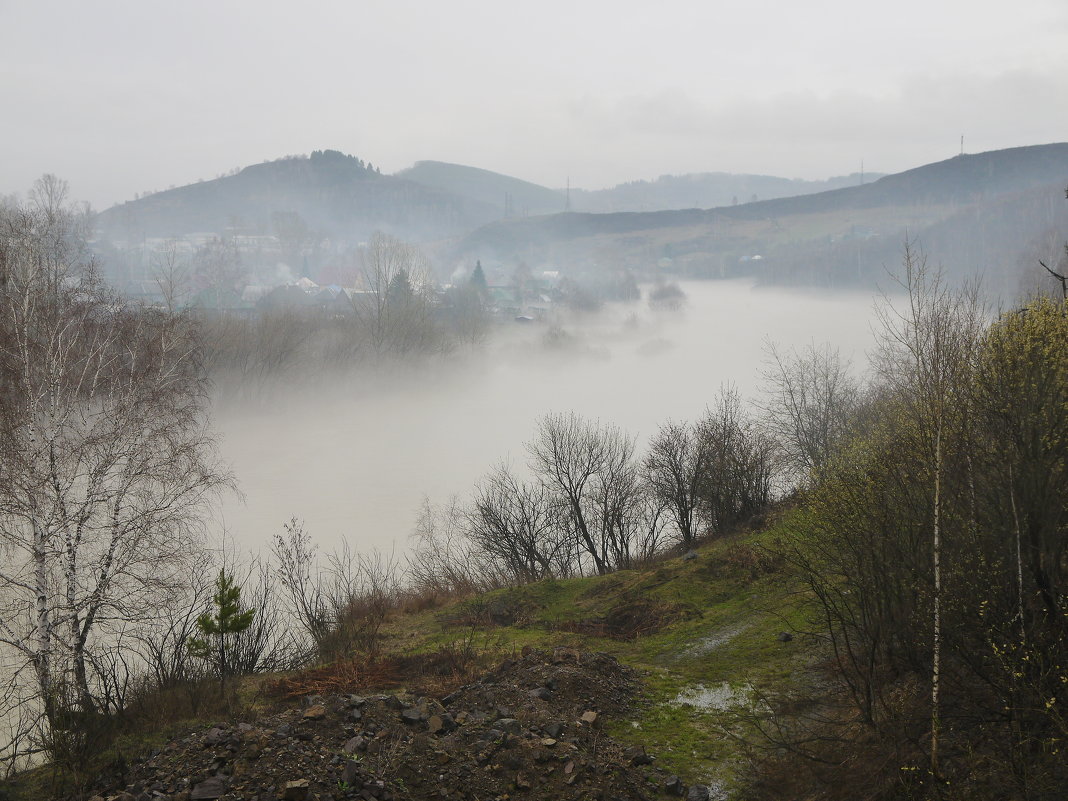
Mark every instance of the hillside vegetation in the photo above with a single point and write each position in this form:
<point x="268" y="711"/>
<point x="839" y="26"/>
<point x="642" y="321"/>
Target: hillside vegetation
<point x="702" y="633"/>
<point x="334" y="195"/>
<point x="512" y="196"/>
<point x="844" y="589"/>
<point x="977" y="210"/>
<point x="703" y="190"/>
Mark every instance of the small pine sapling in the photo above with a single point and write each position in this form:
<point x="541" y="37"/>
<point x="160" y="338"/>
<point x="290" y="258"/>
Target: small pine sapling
<point x="227" y="620"/>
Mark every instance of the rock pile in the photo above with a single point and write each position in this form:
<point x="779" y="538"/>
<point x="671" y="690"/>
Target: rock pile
<point x="531" y="728"/>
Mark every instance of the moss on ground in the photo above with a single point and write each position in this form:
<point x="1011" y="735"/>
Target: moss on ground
<point x="721" y="612"/>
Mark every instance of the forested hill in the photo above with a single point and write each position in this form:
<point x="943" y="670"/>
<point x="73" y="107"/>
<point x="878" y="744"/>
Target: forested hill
<point x="961" y="179"/>
<point x="845" y="235"/>
<point x="955" y="181"/>
<point x="334" y="194"/>
<point x="516" y="197"/>
<point x="703" y="190"/>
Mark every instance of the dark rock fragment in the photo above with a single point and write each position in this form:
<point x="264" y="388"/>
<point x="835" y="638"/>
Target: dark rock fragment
<point x="212" y="788"/>
<point x="673" y="785"/>
<point x="296" y="790"/>
<point x="636" y="756"/>
<point x="314" y="712"/>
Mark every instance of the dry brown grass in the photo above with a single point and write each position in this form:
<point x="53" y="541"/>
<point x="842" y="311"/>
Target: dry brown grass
<point x="437" y="672"/>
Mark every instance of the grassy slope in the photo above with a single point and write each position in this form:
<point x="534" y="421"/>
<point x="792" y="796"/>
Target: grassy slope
<point x="731" y="602"/>
<point x="724" y="609"/>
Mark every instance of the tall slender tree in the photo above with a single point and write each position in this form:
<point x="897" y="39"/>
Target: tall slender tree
<point x="927" y="358"/>
<point x="106" y="461"/>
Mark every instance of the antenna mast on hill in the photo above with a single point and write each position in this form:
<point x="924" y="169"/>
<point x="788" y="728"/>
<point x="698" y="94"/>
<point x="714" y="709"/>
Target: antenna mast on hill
<point x="962" y="144"/>
<point x="862" y="172"/>
<point x="567" y="201"/>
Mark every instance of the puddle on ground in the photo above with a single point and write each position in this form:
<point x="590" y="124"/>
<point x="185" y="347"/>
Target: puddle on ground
<point x="718" y="698"/>
<point x="707" y="645"/>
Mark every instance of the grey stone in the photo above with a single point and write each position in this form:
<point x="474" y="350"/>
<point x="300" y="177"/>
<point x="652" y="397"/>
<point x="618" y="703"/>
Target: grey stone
<point x="214" y="737"/>
<point x="553" y="729"/>
<point x="509" y="725"/>
<point x="212" y="788"/>
<point x="350" y="774"/>
<point x="354" y="745"/>
<point x="699" y="792"/>
<point x="636" y="756"/>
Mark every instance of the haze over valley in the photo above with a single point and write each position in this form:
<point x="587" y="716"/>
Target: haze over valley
<point x="408" y="401"/>
<point x="434" y="430"/>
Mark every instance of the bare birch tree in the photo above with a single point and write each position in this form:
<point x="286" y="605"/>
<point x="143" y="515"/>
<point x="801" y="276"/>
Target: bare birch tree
<point x="927" y="356"/>
<point x="106" y="462"/>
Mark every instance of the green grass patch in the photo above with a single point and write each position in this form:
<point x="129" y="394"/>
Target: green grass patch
<point x="722" y="613"/>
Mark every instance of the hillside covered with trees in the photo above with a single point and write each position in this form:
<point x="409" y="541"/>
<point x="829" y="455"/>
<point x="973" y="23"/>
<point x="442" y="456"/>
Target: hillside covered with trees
<point x="336" y="195"/>
<point x="978" y="212"/>
<point x="871" y="571"/>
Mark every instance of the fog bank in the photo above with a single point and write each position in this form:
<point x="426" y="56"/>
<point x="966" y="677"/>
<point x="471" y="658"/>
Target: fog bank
<point x="353" y="459"/>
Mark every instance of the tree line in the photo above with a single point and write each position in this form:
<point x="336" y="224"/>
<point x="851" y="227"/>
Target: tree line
<point x="588" y="502"/>
<point x="932" y="549"/>
<point x="927" y="534"/>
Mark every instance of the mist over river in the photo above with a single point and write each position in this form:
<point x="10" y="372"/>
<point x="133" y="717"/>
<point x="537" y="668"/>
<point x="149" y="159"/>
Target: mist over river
<point x="354" y="458"/>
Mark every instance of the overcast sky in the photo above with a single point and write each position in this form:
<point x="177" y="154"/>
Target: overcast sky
<point x="123" y="97"/>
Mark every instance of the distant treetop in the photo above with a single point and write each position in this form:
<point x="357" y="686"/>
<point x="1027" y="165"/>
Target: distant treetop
<point x="338" y="156"/>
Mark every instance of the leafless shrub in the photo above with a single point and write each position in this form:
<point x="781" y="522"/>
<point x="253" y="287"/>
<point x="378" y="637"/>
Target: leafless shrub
<point x="340" y="605"/>
<point x="515" y="524"/>
<point x="737" y="481"/>
<point x="267" y="645"/>
<point x="591" y="472"/>
<point x="444" y="563"/>
<point x="362" y="590"/>
<point x="294" y="555"/>
<point x="809" y="400"/>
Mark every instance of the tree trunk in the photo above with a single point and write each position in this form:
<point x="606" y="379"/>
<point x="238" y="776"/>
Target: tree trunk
<point x="42" y="621"/>
<point x="936" y="661"/>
